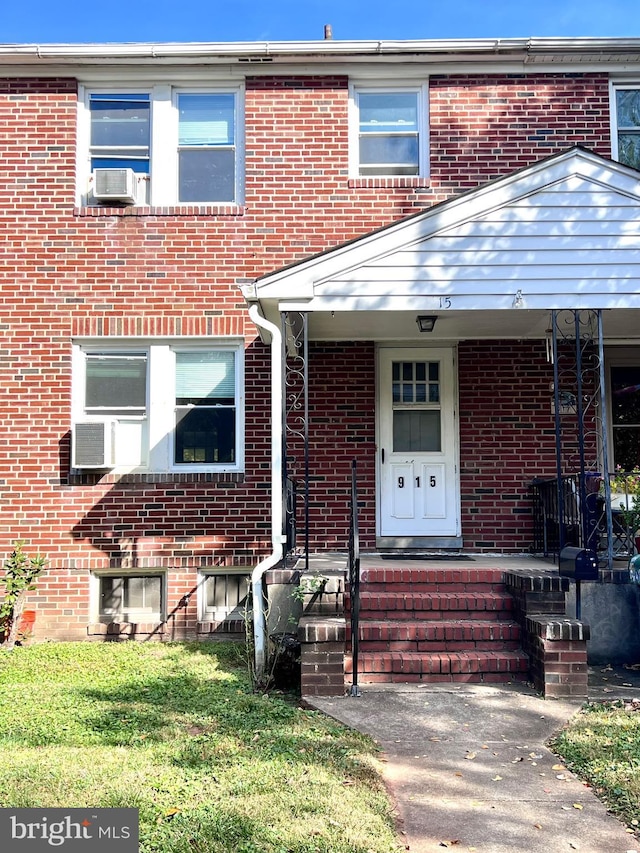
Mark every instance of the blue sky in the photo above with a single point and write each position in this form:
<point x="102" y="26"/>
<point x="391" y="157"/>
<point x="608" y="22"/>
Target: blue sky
<point x="41" y="21"/>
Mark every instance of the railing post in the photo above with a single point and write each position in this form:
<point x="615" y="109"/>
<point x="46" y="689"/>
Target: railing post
<point x="354" y="578"/>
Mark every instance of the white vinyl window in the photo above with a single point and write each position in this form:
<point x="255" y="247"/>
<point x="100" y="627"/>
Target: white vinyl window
<point x="165" y="406"/>
<point x="223" y="595"/>
<point x="206" y="147"/>
<point x="177" y="146"/>
<point x="131" y="598"/>
<point x="625" y="124"/>
<point x="388" y="132"/>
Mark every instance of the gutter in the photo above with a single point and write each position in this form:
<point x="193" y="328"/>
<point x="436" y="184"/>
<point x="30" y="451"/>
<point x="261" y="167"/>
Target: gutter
<point x="247" y="51"/>
<point x="277" y="537"/>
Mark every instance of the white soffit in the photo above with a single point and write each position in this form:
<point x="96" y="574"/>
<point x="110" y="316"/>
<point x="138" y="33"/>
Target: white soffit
<point x="562" y="233"/>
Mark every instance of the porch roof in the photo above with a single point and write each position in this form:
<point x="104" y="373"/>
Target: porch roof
<point x="562" y="233"/>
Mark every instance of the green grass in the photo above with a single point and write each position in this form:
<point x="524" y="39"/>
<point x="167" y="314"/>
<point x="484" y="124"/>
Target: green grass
<point x="601" y="745"/>
<point x="175" y="731"/>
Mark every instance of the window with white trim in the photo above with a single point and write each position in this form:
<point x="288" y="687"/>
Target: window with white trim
<point x="223" y="595"/>
<point x="130" y="597"/>
<point x="625" y="137"/>
<point x="166" y="406"/>
<point x="388" y="131"/>
<point x="182" y="146"/>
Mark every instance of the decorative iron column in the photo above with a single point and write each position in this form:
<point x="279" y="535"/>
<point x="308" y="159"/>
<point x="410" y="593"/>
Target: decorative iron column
<point x="581" y="426"/>
<point x="295" y="401"/>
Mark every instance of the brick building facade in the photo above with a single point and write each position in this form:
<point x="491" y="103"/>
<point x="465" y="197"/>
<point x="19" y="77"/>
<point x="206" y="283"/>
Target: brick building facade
<point x="82" y="278"/>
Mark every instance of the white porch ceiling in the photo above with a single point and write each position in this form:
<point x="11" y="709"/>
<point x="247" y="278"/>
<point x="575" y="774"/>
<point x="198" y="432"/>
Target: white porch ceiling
<point x="620" y="326"/>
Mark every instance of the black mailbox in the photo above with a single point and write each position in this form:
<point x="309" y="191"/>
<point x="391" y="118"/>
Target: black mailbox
<point x="578" y="564"/>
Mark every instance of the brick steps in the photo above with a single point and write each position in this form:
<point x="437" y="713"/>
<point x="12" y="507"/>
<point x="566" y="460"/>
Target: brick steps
<point x="427" y="604"/>
<point x="435" y="578"/>
<point x="436" y="636"/>
<point x="403" y="666"/>
<point x="437" y="625"/>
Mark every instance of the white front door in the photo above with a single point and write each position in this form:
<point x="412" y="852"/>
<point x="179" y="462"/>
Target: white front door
<point x="417" y="446"/>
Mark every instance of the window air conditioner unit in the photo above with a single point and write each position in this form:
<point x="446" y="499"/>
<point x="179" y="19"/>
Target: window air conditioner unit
<point x="115" y="185"/>
<point x="92" y="444"/>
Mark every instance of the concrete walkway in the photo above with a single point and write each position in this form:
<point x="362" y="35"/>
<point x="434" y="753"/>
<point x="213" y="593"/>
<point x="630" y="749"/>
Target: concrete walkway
<point x="468" y="768"/>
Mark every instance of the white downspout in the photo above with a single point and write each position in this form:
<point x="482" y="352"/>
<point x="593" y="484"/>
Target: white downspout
<point x="277" y="537"/>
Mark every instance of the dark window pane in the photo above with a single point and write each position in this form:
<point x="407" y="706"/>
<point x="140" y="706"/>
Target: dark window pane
<point x="626" y="448"/>
<point x="625" y="416"/>
<point x="125" y="162"/>
<point x="391" y="150"/>
<point x="205" y="435"/>
<point x="111" y="590"/>
<point x="629" y="149"/>
<point x="134" y="593"/>
<point x="205" y="377"/>
<point x="416" y="431"/>
<point x="206" y="174"/>
<point x="421" y="371"/>
<point x="117" y="382"/>
<point x="120" y="121"/>
<point x="383" y="111"/>
<point x="207" y="119"/>
<point x="625" y="390"/>
<point x="628" y="107"/>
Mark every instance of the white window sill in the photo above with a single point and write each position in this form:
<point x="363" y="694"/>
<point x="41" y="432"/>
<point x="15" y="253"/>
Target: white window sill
<point x="391" y="181"/>
<point x="223" y="209"/>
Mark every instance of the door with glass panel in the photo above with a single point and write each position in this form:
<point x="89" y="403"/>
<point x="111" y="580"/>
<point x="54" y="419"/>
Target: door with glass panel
<point x="417" y="443"/>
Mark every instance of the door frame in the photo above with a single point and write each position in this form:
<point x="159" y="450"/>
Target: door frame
<point x="424" y="542"/>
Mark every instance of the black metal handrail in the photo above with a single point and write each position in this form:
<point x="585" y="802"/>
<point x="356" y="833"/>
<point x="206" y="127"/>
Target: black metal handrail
<point x="354" y="577"/>
<point x="290" y="511"/>
<point x="586" y="511"/>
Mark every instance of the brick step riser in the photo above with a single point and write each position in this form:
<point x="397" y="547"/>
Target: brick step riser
<point x="442" y="663"/>
<point x="435" y="615"/>
<point x="437" y="646"/>
<point x="433" y="589"/>
<point x="433" y="601"/>
<point x="458" y="678"/>
<point x="497" y="632"/>
<point x="437" y="576"/>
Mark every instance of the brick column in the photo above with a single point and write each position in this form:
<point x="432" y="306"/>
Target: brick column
<point x="557" y="650"/>
<point x="322" y="647"/>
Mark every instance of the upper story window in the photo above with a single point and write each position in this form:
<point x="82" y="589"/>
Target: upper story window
<point x="389" y="135"/>
<point x="160" y="146"/>
<point x="120" y="131"/>
<point x="626" y="125"/>
<point x="206" y="147"/>
<point x="160" y="407"/>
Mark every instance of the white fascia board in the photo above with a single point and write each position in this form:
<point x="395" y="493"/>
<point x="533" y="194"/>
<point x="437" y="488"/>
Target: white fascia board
<point x="320" y="47"/>
<point x="475" y="302"/>
<point x="263" y="57"/>
<point x="300" y="281"/>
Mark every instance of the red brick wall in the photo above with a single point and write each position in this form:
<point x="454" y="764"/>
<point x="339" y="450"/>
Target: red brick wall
<point x="69" y="272"/>
<point x="507" y="437"/>
<point x="486" y="126"/>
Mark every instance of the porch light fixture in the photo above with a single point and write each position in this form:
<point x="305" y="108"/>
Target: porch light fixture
<point x="426" y="323"/>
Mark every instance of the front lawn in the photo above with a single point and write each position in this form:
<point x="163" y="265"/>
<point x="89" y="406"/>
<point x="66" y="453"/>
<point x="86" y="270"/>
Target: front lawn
<point x="175" y="731"/>
<point x="601" y="745"/>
